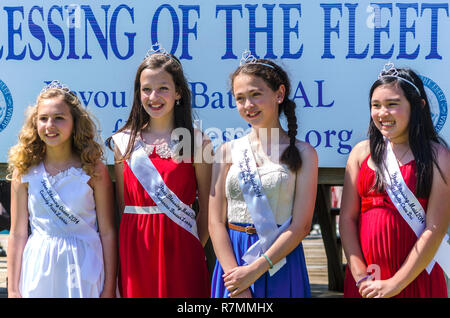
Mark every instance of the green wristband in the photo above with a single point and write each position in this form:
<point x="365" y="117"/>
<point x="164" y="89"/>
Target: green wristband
<point x="268" y="259"/>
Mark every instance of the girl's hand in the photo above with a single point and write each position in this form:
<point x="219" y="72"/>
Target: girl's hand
<point x="12" y="294"/>
<point x="239" y="279"/>
<point x="379" y="288"/>
<point x="245" y="294"/>
<point x="106" y="293"/>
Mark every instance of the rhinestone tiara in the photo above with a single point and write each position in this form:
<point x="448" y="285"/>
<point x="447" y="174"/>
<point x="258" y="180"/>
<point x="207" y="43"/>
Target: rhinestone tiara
<point x="248" y="58"/>
<point x="55" y="84"/>
<point x="157" y="49"/>
<point x="389" y="70"/>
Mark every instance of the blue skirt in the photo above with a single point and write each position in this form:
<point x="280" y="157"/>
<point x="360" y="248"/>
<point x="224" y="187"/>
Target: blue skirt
<point x="291" y="281"/>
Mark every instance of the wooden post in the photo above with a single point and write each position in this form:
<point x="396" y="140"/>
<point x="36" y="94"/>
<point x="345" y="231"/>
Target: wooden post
<point x="323" y="208"/>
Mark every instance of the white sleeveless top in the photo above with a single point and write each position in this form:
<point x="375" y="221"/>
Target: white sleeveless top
<point x="55" y="262"/>
<point x="279" y="186"/>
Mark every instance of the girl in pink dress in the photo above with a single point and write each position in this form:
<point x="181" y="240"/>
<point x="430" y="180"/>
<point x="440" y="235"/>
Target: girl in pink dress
<point x="377" y="239"/>
<point x="159" y="257"/>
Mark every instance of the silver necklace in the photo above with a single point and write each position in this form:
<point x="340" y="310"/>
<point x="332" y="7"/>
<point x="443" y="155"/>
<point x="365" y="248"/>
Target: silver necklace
<point x="164" y="150"/>
<point x="399" y="160"/>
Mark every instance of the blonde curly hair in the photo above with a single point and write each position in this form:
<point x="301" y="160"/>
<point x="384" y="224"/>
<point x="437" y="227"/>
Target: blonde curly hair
<point x="30" y="149"/>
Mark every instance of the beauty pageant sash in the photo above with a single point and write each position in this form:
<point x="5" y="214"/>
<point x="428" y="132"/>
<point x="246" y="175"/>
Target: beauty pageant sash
<point x="68" y="222"/>
<point x="410" y="209"/>
<point x="257" y="203"/>
<point x="150" y="179"/>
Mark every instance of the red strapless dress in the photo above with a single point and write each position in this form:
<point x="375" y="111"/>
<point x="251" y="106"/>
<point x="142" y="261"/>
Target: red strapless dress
<point x="386" y="238"/>
<point x="158" y="258"/>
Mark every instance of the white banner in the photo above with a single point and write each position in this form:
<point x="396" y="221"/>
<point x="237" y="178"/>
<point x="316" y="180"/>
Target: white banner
<point x="332" y="50"/>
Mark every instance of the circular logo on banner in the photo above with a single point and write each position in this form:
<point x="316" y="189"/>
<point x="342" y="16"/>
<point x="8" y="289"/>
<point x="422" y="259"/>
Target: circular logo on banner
<point x="6" y="106"/>
<point x="438" y="103"/>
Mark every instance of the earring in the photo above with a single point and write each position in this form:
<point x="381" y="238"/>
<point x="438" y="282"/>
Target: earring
<point x="177" y="102"/>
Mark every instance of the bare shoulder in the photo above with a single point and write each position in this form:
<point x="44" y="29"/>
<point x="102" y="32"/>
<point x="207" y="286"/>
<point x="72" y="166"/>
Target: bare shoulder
<point x="362" y="146"/>
<point x="17" y="182"/>
<point x="359" y="152"/>
<point x="16" y="176"/>
<point x="441" y="150"/>
<point x="100" y="167"/>
<point x="101" y="174"/>
<point x="307" y="151"/>
<point x="442" y="157"/>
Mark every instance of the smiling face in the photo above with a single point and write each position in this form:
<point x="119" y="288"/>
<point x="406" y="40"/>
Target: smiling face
<point x="158" y="93"/>
<point x="256" y="102"/>
<point x="390" y="112"/>
<point x="55" y="122"/>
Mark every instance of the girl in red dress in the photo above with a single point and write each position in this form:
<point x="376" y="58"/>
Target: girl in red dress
<point x="377" y="240"/>
<point x="158" y="257"/>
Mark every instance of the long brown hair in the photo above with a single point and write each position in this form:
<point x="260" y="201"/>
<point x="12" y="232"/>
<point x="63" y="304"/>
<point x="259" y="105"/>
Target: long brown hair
<point x="421" y="132"/>
<point x="274" y="77"/>
<point x="139" y="118"/>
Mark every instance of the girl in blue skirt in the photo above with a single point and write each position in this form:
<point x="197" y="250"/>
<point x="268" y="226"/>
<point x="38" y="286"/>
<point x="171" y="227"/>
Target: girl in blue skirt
<point x="262" y="193"/>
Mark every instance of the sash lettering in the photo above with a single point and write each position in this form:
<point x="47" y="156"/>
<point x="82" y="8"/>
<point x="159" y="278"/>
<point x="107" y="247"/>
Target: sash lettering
<point x="150" y="179"/>
<point x="409" y="207"/>
<point x="257" y="203"/>
<point x="68" y="221"/>
<point x="59" y="210"/>
<point x="248" y="177"/>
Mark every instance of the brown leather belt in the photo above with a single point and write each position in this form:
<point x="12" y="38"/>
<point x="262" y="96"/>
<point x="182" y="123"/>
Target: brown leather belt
<point x="246" y="229"/>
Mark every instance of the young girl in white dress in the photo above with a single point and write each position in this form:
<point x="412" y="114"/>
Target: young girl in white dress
<point x="61" y="190"/>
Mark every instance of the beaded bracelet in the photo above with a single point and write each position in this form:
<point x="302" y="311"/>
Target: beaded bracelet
<point x="362" y="279"/>
<point x="268" y="259"/>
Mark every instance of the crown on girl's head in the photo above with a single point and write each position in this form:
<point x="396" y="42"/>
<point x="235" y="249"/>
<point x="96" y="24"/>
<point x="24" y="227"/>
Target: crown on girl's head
<point x="55" y="84"/>
<point x="248" y="58"/>
<point x="389" y="70"/>
<point x="157" y="49"/>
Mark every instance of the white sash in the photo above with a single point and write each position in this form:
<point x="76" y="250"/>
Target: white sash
<point x="257" y="203"/>
<point x="150" y="179"/>
<point x="410" y="209"/>
<point x="68" y="221"/>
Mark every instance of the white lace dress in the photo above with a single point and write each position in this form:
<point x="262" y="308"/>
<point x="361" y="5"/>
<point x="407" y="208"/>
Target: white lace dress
<point x="61" y="258"/>
<point x="279" y="187"/>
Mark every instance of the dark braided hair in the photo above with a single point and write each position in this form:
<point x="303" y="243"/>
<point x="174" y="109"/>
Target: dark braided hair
<point x="274" y="78"/>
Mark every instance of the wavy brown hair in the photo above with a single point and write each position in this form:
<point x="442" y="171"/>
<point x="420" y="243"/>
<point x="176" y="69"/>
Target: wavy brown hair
<point x="139" y="118"/>
<point x="30" y="149"/>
